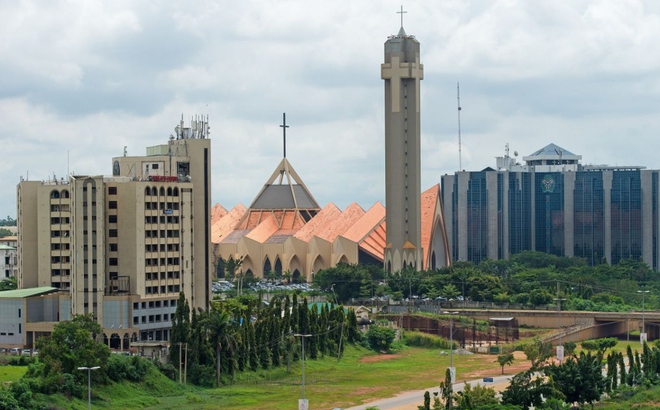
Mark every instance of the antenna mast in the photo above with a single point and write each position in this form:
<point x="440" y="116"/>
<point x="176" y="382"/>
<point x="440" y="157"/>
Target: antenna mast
<point x="458" y="98"/>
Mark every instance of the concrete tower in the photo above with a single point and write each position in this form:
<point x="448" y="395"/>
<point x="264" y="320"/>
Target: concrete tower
<point x="402" y="73"/>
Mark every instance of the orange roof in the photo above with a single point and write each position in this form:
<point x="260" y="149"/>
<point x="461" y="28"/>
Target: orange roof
<point x="264" y="230"/>
<point x="223" y="227"/>
<point x="428" y="202"/>
<point x="217" y="212"/>
<point x="369" y="221"/>
<point x="374" y="244"/>
<point x="341" y="224"/>
<point x="325" y="217"/>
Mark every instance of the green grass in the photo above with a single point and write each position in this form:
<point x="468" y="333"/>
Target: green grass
<point x="11" y="373"/>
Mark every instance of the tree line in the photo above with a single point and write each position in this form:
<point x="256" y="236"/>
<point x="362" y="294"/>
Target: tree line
<point x="244" y="334"/>
<point x="527" y="278"/>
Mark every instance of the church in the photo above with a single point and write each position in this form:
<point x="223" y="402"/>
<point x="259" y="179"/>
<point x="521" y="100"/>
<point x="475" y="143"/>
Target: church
<point x="285" y="231"/>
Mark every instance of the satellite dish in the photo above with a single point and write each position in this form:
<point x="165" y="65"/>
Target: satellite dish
<point x="515" y="153"/>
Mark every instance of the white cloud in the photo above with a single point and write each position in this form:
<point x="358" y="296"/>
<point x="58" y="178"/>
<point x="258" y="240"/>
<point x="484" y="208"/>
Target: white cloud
<point x="90" y="77"/>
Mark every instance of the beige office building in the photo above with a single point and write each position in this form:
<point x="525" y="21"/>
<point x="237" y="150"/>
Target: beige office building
<point x="125" y="245"/>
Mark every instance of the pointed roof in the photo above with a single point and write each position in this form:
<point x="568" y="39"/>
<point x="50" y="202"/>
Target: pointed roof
<point x="217" y="212"/>
<point x="284" y="190"/>
<point x="224" y="226"/>
<point x="552" y="152"/>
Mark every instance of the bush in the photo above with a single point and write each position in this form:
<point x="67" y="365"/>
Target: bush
<point x="200" y="375"/>
<point x="380" y="338"/>
<point x="419" y="339"/>
<point x="168" y="370"/>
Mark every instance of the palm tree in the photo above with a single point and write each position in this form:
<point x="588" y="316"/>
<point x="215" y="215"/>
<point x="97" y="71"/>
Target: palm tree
<point x="219" y="328"/>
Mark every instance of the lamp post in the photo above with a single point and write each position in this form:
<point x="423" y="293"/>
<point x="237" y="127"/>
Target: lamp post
<point x="89" y="384"/>
<point x="560" y="347"/>
<point x="452" y="370"/>
<point x="642" y="335"/>
<point x="303" y="404"/>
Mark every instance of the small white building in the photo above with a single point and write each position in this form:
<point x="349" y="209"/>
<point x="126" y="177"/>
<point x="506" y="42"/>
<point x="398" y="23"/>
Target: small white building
<point x="8" y="261"/>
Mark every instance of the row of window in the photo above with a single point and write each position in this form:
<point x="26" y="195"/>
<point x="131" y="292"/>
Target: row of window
<point x="154" y="304"/>
<point x="153" y="191"/>
<point x="58" y="234"/>
<point x="59" y="208"/>
<point x="152" y="319"/>
<point x="163" y="261"/>
<point x="161" y="205"/>
<point x="60" y="272"/>
<point x="154" y="275"/>
<point x="154" y="290"/>
<point x="170" y="233"/>
<point x="171" y="219"/>
<point x="58" y="221"/>
<point x="170" y="247"/>
<point x="60" y="259"/>
<point x="59" y="246"/>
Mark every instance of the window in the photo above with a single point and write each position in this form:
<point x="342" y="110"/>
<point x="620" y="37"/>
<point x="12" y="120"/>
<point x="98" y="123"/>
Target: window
<point x="112" y="190"/>
<point x="112" y="233"/>
<point x="154" y="166"/>
<point x="113" y="262"/>
<point x="112" y="219"/>
<point x="112" y="205"/>
<point x="113" y="247"/>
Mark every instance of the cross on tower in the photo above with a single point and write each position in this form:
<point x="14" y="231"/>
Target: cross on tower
<point x="402" y="13"/>
<point x="284" y="127"/>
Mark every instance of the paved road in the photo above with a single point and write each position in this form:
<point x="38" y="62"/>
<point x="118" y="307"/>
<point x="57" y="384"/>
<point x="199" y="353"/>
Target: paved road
<point x="412" y="399"/>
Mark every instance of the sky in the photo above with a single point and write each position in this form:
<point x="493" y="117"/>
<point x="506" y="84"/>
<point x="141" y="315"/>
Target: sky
<point x="81" y="79"/>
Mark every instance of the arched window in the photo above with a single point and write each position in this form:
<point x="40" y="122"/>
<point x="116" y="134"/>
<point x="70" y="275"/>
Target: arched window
<point x="54" y="194"/>
<point x="176" y="192"/>
<point x="169" y="191"/>
<point x="267" y="267"/>
<point x="147" y="191"/>
<point x="154" y="191"/>
<point x="296" y="276"/>
<point x="65" y="193"/>
<point x="162" y="191"/>
<point x="278" y="267"/>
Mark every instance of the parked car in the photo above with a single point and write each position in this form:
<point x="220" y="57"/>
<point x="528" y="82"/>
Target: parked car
<point x="15" y="350"/>
<point x="26" y="352"/>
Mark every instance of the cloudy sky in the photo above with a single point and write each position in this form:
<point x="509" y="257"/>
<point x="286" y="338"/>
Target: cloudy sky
<point x="86" y="78"/>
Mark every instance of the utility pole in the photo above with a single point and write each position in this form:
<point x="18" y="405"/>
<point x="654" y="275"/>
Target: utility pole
<point x="303" y="404"/>
<point x="642" y="335"/>
<point x="560" y="347"/>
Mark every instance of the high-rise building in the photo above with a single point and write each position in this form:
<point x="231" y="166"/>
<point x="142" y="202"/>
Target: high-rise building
<point x="402" y="73"/>
<point x="125" y="245"/>
<point x="556" y="205"/>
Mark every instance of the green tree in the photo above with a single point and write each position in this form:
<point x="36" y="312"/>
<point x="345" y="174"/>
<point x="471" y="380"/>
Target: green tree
<point x="71" y="345"/>
<point x="380" y="337"/>
<point x="447" y="390"/>
<point x="526" y="390"/>
<point x="473" y="398"/>
<point x="5" y="232"/>
<point x="180" y="332"/>
<point x="505" y="359"/>
<point x="537" y="352"/>
<point x="579" y="380"/>
<point x="220" y="334"/>
<point x="8" y="284"/>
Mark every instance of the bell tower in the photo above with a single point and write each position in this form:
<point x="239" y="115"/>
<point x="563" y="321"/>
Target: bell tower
<point x="402" y="73"/>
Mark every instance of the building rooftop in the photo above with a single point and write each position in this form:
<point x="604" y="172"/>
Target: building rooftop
<point x="26" y="293"/>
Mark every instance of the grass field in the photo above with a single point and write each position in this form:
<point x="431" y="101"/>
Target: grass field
<point x="11" y="373"/>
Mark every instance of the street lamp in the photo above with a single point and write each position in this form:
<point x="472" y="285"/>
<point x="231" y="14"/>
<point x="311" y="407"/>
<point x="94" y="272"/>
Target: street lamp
<point x="303" y="403"/>
<point x="89" y="384"/>
<point x="560" y="347"/>
<point x="452" y="370"/>
<point x="642" y="335"/>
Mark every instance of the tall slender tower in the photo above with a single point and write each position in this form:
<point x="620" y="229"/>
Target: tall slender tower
<point x="402" y="73"/>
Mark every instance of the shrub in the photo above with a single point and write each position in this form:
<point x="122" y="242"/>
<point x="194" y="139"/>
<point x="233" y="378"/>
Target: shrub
<point x="419" y="339"/>
<point x="380" y="338"/>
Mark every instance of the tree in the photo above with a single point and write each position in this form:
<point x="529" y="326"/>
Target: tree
<point x="527" y="390"/>
<point x="8" y="284"/>
<point x="505" y="359"/>
<point x="71" y="345"/>
<point x="5" y="232"/>
<point x="180" y="332"/>
<point x="579" y="380"/>
<point x="537" y="352"/>
<point x="218" y="327"/>
<point x="472" y="398"/>
<point x="447" y="390"/>
<point x="380" y="338"/>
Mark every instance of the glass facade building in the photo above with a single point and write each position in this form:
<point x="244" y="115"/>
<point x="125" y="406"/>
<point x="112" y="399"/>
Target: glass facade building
<point x="554" y="205"/>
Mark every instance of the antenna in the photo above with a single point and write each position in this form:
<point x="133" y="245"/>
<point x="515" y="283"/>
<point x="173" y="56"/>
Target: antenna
<point x="458" y="98"/>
